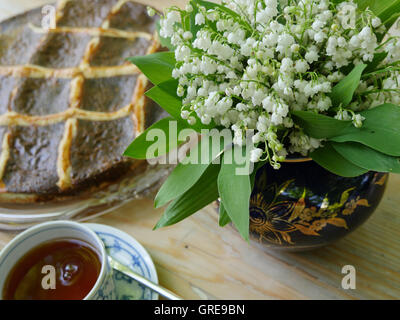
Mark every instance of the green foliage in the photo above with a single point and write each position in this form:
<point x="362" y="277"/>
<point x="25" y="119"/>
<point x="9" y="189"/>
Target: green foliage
<point x="367" y="147"/>
<point x="342" y="93"/>
<point x="197" y="197"/>
<point x="319" y="126"/>
<point x="380" y="130"/>
<point x="235" y="191"/>
<point x="378" y="59"/>
<point x="157" y="66"/>
<point x="387" y="10"/>
<point x="331" y="160"/>
<point x="187" y="173"/>
<point x="165" y="96"/>
<point x="367" y="158"/>
<point x="223" y="216"/>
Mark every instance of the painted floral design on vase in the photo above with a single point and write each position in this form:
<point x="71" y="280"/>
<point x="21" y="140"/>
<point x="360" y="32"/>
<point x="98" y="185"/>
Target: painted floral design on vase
<point x="303" y="206"/>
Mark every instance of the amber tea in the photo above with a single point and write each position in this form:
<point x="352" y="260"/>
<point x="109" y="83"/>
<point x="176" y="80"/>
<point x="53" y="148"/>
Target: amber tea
<point x="61" y="269"/>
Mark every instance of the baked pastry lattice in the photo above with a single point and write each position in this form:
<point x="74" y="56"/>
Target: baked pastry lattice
<point x="69" y="102"/>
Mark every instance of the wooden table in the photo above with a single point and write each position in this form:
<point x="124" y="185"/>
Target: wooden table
<point x="199" y="260"/>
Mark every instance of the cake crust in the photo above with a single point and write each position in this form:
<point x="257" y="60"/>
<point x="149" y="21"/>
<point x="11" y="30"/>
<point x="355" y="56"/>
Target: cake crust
<point x="70" y="104"/>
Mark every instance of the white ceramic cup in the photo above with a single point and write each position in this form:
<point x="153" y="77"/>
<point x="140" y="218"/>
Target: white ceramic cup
<point x="37" y="235"/>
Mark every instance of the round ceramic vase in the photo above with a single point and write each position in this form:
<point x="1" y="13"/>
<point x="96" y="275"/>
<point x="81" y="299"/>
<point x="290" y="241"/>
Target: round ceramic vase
<point x="302" y="206"/>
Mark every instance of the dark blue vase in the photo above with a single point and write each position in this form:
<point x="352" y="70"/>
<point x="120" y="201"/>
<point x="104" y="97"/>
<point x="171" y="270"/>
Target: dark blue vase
<point x="303" y="206"/>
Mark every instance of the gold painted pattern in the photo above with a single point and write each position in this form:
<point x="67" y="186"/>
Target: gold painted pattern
<point x="297" y="216"/>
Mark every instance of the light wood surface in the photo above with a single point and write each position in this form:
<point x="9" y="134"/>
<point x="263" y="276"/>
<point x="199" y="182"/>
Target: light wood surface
<point x="198" y="260"/>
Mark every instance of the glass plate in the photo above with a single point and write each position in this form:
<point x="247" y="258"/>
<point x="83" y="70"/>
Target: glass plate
<point x="20" y="217"/>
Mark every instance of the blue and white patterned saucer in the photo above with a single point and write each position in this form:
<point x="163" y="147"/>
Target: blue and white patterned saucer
<point x="131" y="253"/>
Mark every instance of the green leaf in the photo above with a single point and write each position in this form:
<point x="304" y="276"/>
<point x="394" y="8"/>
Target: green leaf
<point x="367" y="158"/>
<point x="343" y="92"/>
<point x="319" y="126"/>
<point x="200" y="195"/>
<point x="390" y="21"/>
<point x="179" y="181"/>
<point x="373" y="66"/>
<point x="223" y="216"/>
<point x="235" y="191"/>
<point x="157" y="67"/>
<point x="384" y="9"/>
<point x="139" y="148"/>
<point x="165" y="96"/>
<point x="380" y="130"/>
<point x="328" y="158"/>
<point x="186" y="174"/>
<point x="193" y="27"/>
<point x="186" y="21"/>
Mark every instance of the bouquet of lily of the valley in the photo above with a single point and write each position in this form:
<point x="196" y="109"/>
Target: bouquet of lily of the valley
<point x="284" y="78"/>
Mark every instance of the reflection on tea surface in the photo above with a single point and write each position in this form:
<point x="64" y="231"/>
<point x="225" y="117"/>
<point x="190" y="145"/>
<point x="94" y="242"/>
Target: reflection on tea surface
<point x="61" y="269"/>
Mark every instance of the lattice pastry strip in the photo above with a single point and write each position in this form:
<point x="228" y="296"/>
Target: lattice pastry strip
<point x="34" y="71"/>
<point x="96" y="32"/>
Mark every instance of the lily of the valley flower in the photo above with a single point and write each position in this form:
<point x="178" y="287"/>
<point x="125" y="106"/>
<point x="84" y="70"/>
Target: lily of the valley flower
<point x="251" y="70"/>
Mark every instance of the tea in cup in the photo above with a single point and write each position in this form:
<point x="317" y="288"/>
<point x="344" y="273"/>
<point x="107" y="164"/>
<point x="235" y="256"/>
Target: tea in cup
<point x="59" y="260"/>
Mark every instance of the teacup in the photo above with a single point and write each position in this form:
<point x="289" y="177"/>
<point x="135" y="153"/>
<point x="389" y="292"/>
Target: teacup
<point x="103" y="289"/>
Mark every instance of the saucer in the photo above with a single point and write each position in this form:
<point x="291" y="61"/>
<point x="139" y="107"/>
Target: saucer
<point x="131" y="253"/>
